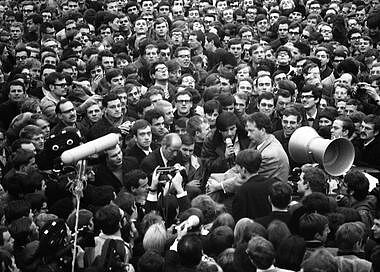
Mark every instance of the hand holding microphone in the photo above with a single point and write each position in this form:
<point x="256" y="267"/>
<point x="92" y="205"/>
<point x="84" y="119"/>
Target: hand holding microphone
<point x="230" y="151"/>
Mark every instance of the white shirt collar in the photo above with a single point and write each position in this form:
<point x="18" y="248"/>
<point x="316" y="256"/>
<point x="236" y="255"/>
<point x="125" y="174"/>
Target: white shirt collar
<point x="163" y="158"/>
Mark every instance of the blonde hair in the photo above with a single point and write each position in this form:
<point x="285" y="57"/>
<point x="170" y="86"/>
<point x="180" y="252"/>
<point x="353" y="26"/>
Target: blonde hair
<point x="155" y="238"/>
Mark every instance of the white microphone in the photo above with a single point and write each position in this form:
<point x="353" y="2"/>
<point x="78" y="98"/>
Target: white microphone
<point x="229" y="142"/>
<point x="77" y="153"/>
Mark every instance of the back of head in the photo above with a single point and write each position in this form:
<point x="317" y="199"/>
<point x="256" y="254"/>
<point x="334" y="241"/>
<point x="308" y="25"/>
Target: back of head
<point x="311" y="225"/>
<point x="250" y="159"/>
<point x="190" y="250"/>
<point x="150" y="261"/>
<point x="320" y="260"/>
<point x="290" y="253"/>
<point x="317" y="202"/>
<point x="280" y="195"/>
<point x="357" y="184"/>
<point x="261" y="252"/>
<point x="349" y="236"/>
<point x="277" y="232"/>
<point x="218" y="240"/>
<point x="16" y="209"/>
<point x="107" y="218"/>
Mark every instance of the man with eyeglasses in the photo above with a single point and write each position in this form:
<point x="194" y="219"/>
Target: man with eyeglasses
<point x="160" y="74"/>
<point x="183" y="104"/>
<point x="310" y="97"/>
<point x="67" y="117"/>
<point x="368" y="147"/>
<point x="21" y="55"/>
<point x="294" y="33"/>
<point x="56" y="86"/>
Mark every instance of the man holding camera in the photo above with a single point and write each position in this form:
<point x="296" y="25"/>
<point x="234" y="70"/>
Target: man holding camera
<point x="167" y="155"/>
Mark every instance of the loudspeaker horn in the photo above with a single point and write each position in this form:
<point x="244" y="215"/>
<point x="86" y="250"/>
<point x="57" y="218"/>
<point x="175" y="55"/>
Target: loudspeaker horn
<point x="335" y="156"/>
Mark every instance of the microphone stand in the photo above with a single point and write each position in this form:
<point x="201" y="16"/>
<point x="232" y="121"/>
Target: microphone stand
<point x="76" y="188"/>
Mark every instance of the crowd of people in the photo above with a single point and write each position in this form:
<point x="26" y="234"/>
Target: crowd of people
<point x="204" y="97"/>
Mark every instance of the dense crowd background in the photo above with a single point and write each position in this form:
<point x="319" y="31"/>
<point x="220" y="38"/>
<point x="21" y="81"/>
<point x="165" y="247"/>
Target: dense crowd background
<point x="212" y="92"/>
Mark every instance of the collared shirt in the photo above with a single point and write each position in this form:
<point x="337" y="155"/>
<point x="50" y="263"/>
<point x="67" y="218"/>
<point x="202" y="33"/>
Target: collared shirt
<point x="163" y="158"/>
<point x="310" y="119"/>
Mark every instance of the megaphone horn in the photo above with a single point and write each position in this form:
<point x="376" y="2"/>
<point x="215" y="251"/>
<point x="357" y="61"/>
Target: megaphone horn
<point x="336" y="156"/>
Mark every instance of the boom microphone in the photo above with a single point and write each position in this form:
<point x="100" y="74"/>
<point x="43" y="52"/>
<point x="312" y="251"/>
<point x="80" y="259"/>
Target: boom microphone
<point x="77" y="153"/>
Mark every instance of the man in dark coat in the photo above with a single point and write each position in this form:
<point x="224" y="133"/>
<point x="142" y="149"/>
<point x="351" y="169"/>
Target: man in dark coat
<point x="279" y="197"/>
<point x="367" y="149"/>
<point x="112" y="118"/>
<point x="142" y="137"/>
<point x="251" y="198"/>
<point x="167" y="155"/>
<point x="112" y="171"/>
<point x="217" y="155"/>
<point x="11" y="108"/>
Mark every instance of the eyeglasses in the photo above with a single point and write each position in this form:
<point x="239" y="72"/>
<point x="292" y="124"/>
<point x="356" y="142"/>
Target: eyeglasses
<point x="61" y="84"/>
<point x="21" y="57"/>
<point x="161" y="69"/>
<point x="184" y="56"/>
<point x="307" y="96"/>
<point x="183" y="101"/>
<point x="265" y="105"/>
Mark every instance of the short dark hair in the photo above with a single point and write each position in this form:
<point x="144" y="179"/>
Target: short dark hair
<point x="316" y="179"/>
<point x="261" y="251"/>
<point x="107" y="218"/>
<point x="357" y="183"/>
<point x="311" y="224"/>
<point x="280" y="194"/>
<point x="58" y="106"/>
<point x="16" y="209"/>
<point x="190" y="250"/>
<point x="212" y="105"/>
<point x="261" y="121"/>
<point x="150" y="261"/>
<point x="348" y="235"/>
<point x="187" y="139"/>
<point x="131" y="179"/>
<point x="320" y="260"/>
<point x="225" y="120"/>
<point x="153" y="114"/>
<point x="109" y="97"/>
<point x="373" y="119"/>
<point x="139" y="124"/>
<point x="250" y="159"/>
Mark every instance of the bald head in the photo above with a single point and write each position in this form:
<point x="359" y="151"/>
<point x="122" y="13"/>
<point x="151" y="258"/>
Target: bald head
<point x="171" y="139"/>
<point x="171" y="145"/>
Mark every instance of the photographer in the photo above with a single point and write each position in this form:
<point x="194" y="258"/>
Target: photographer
<point x="368" y="95"/>
<point x="167" y="155"/>
<point x="159" y="191"/>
